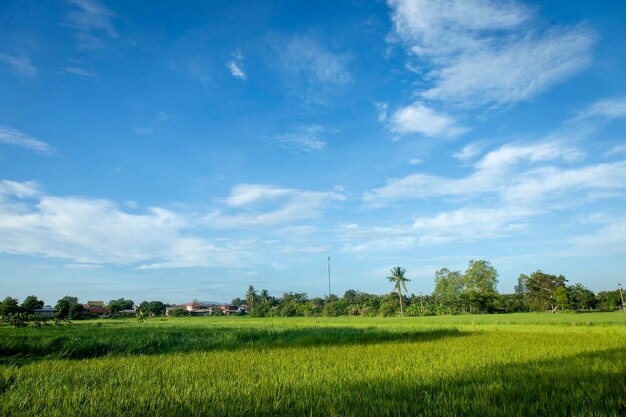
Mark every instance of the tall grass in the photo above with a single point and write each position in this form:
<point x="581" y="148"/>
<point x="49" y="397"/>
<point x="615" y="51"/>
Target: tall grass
<point x="344" y="367"/>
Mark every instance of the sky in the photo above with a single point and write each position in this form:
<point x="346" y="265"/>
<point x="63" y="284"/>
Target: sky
<point x="179" y="150"/>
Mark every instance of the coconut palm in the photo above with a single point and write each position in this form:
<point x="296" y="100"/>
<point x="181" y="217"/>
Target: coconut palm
<point x="397" y="277"/>
<point x="251" y="296"/>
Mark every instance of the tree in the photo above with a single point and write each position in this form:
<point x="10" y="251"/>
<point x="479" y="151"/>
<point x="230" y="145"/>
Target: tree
<point x="560" y="298"/>
<point x="120" y="304"/>
<point x="31" y="303"/>
<point x="480" y="280"/>
<point x="152" y="308"/>
<point x="251" y="295"/>
<point x="399" y="280"/>
<point x="264" y="295"/>
<point x="540" y="289"/>
<point x="9" y="306"/>
<point x="448" y="287"/>
<point x="64" y="307"/>
<point x="580" y="298"/>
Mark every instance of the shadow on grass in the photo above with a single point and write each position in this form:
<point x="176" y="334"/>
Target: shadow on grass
<point x="590" y="384"/>
<point x="21" y="346"/>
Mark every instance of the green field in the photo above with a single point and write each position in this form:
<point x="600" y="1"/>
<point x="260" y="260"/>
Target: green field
<point x="515" y="364"/>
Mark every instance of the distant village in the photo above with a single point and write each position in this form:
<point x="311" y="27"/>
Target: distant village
<point x="194" y="308"/>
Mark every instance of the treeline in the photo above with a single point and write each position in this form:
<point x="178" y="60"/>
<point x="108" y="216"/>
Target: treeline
<point x="456" y="292"/>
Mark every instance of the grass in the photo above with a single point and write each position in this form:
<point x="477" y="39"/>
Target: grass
<point x="517" y="364"/>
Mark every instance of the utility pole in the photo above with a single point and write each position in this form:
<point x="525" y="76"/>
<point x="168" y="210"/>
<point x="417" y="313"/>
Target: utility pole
<point x="329" y="277"/>
<point x="621" y="294"/>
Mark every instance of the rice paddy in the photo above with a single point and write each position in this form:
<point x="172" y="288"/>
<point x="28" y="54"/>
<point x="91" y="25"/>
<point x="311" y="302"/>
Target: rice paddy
<point x="515" y="364"/>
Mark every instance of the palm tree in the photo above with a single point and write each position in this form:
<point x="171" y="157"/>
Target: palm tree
<point x="265" y="296"/>
<point x="397" y="276"/>
<point x="251" y="296"/>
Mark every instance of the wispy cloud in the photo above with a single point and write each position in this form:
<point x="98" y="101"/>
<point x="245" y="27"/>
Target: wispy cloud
<point x="481" y="51"/>
<point x="155" y="123"/>
<point x="304" y="138"/>
<point x="11" y="136"/>
<point x="521" y="173"/>
<point x="92" y="22"/>
<point x="21" y="64"/>
<point x="306" y="56"/>
<point x="471" y="224"/>
<point x="80" y="72"/>
<point x="418" y="118"/>
<point x="614" y="108"/>
<point x="265" y="205"/>
<point x="235" y="66"/>
<point x="469" y="151"/>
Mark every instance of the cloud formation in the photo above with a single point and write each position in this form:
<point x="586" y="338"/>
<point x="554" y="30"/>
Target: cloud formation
<point x="21" y="65"/>
<point x="418" y="118"/>
<point x="304" y="138"/>
<point x="11" y="136"/>
<point x="92" y="22"/>
<point x="479" y="52"/>
<point x="235" y="66"/>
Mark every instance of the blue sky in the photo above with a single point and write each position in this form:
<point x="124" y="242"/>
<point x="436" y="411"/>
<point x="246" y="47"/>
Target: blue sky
<point x="172" y="150"/>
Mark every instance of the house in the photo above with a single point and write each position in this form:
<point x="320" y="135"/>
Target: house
<point x="96" y="304"/>
<point x="200" y="308"/>
<point x="97" y="307"/>
<point x="228" y="309"/>
<point x="45" y="312"/>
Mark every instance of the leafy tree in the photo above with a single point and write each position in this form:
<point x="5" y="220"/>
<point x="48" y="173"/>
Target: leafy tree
<point x="251" y="295"/>
<point x="264" y="296"/>
<point x="448" y="287"/>
<point x="237" y="302"/>
<point x="152" y="308"/>
<point x="120" y="304"/>
<point x="9" y="306"/>
<point x="64" y="307"/>
<point x="609" y="300"/>
<point x="560" y="298"/>
<point x="540" y="290"/>
<point x="580" y="298"/>
<point x="399" y="280"/>
<point x="480" y="280"/>
<point x="179" y="312"/>
<point x="31" y="303"/>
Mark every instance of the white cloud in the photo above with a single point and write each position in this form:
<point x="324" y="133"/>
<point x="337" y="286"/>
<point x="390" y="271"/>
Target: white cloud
<point x="18" y="189"/>
<point x="470" y="224"/>
<point x="306" y="56"/>
<point x="265" y="205"/>
<point x="515" y="72"/>
<point x="80" y="72"/>
<point x="304" y="138"/>
<point x="512" y="173"/>
<point x="96" y="231"/>
<point x="235" y="66"/>
<point x="416" y="161"/>
<point x="609" y="108"/>
<point x="12" y="136"/>
<point x="91" y="20"/>
<point x="21" y="65"/>
<point x="382" y="108"/>
<point x="418" y="118"/>
<point x="482" y="51"/>
<point x="616" y="150"/>
<point x="469" y="151"/>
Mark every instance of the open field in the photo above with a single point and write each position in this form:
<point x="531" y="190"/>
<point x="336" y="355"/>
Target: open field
<point x="516" y="364"/>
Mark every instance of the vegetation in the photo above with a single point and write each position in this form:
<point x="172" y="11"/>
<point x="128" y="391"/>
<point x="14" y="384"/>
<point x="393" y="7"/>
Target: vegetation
<point x="479" y="365"/>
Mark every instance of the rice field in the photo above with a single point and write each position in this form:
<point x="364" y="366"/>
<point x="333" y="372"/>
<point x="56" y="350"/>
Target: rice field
<point x="488" y="365"/>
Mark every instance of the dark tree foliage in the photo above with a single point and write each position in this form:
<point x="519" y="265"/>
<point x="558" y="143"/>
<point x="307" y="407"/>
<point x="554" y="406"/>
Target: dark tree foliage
<point x="31" y="303"/>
